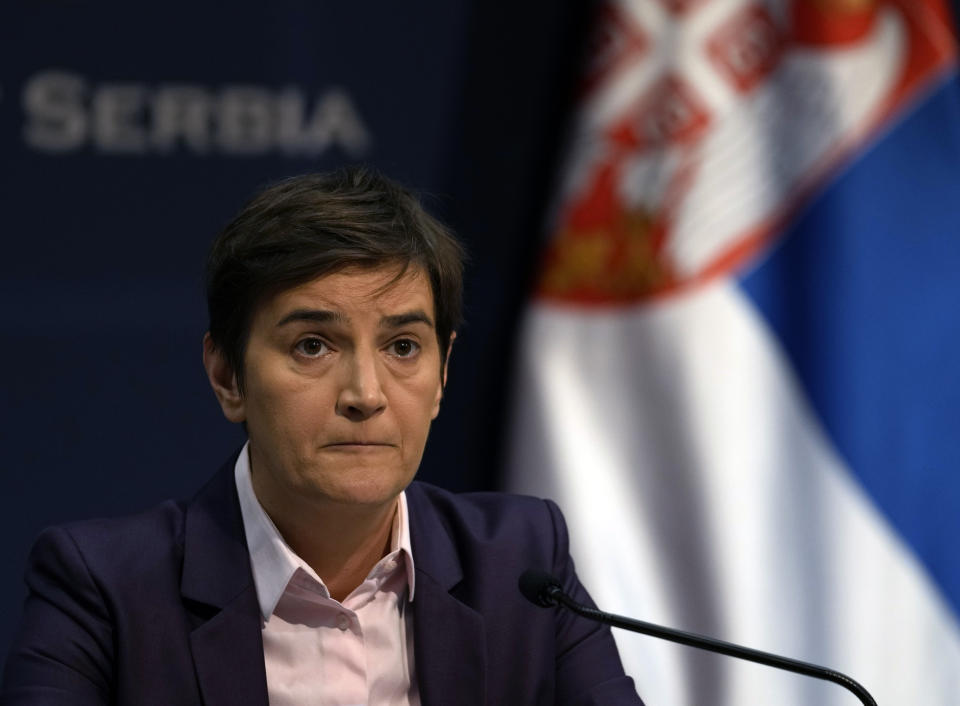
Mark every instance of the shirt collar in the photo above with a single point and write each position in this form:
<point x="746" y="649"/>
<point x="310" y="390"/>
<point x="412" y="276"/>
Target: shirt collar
<point x="273" y="561"/>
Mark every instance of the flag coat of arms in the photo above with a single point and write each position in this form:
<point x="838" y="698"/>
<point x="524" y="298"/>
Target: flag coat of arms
<point x="736" y="372"/>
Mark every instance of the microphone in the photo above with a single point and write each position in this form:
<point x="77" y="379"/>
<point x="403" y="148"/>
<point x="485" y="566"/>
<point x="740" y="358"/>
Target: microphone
<point x="544" y="590"/>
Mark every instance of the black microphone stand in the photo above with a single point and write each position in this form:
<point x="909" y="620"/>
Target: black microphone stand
<point x="553" y="593"/>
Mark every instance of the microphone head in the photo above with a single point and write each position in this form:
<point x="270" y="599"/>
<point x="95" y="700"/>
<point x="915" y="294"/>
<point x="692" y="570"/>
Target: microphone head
<point x="538" y="587"/>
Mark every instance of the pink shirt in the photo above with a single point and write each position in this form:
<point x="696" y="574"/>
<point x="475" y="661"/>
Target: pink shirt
<point x="317" y="650"/>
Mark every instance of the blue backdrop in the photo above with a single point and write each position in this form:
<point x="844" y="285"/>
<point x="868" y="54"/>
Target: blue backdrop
<point x="130" y="135"/>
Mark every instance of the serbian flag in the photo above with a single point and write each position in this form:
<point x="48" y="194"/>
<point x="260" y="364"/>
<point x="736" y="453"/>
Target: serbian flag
<point x="739" y="372"/>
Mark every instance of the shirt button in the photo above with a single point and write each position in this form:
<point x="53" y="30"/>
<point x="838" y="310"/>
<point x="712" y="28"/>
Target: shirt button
<point x="343" y="622"/>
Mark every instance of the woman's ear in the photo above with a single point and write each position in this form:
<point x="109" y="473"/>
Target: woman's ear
<point x="443" y="377"/>
<point x="223" y="380"/>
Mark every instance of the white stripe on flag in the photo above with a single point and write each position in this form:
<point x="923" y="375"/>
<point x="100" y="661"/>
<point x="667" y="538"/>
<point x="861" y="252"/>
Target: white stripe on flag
<point x="677" y="430"/>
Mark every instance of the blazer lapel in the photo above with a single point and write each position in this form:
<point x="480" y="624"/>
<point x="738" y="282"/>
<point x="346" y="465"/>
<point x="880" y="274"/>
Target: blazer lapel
<point x="228" y="655"/>
<point x="218" y="591"/>
<point x="449" y="642"/>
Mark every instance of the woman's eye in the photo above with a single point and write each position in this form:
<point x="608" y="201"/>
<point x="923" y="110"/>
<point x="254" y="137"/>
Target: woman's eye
<point x="312" y="347"/>
<point x="404" y="348"/>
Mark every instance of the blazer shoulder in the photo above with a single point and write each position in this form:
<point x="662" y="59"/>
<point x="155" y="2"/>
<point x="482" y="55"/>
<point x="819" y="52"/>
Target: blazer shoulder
<point x="483" y="508"/>
<point x="144" y="544"/>
<point x="113" y="550"/>
<point x="528" y="525"/>
<point x="128" y="532"/>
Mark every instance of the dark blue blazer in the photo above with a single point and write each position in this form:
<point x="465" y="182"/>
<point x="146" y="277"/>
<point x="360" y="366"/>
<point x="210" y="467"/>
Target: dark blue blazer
<point x="160" y="608"/>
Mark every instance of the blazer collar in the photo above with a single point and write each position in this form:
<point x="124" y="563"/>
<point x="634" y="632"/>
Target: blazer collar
<point x="219" y="594"/>
<point x="449" y="640"/>
<point x="218" y="590"/>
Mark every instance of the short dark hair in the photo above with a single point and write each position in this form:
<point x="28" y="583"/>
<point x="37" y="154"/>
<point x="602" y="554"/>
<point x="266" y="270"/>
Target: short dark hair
<point x="307" y="226"/>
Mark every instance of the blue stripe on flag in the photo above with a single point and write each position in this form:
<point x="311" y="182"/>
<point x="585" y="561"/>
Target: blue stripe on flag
<point x="864" y="293"/>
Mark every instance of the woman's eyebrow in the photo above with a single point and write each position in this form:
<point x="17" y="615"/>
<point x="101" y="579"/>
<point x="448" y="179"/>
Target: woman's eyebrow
<point x="405" y="319"/>
<point x="320" y="316"/>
